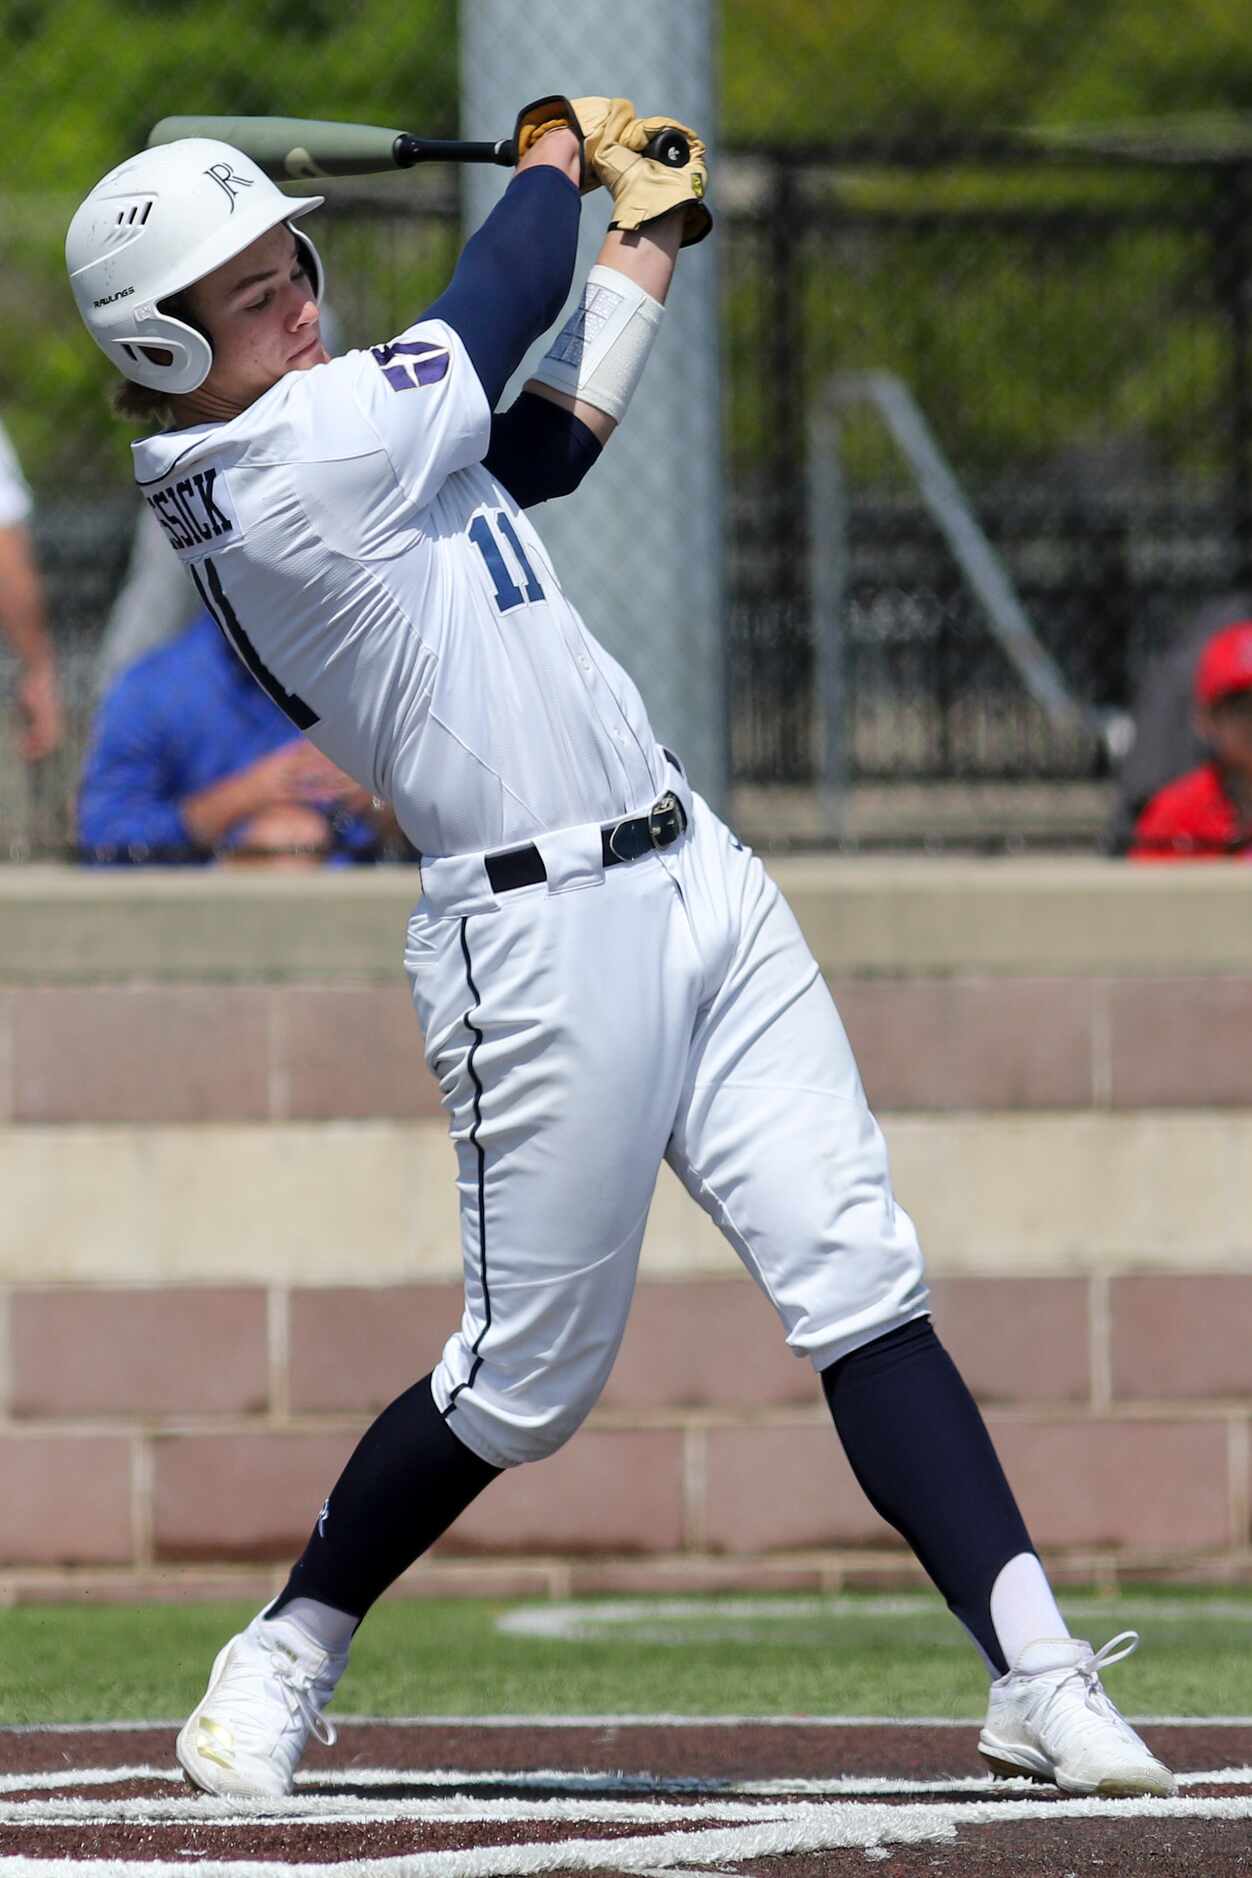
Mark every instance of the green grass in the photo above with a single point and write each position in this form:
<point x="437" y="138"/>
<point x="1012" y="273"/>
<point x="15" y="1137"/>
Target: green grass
<point x="783" y="1656"/>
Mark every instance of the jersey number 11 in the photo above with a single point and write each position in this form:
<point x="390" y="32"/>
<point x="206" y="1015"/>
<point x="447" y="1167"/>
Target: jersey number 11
<point x="507" y="592"/>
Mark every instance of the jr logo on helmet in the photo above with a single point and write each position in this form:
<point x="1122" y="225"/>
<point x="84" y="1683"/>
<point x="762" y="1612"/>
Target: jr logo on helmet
<point x="225" y="178"/>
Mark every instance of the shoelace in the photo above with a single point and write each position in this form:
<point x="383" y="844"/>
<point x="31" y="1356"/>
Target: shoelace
<point x="1095" y="1697"/>
<point x="293" y="1686"/>
<point x="1109" y="1653"/>
<point x="298" y="1697"/>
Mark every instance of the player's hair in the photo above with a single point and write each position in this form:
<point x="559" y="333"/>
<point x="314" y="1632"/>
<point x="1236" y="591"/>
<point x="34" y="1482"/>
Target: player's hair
<point x="142" y="405"/>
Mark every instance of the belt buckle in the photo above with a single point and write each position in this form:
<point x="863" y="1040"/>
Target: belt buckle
<point x="663" y="817"/>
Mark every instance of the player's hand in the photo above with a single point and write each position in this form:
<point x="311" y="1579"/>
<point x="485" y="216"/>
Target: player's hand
<point x="337" y="791"/>
<point x="39" y="703"/>
<point x="559" y="149"/>
<point x="314" y="778"/>
<point x="538" y="120"/>
<point x="275" y="779"/>
<point x="642" y="188"/>
<point x="327" y="786"/>
<point x="296" y="773"/>
<point x="294" y="777"/>
<point x="601" y="121"/>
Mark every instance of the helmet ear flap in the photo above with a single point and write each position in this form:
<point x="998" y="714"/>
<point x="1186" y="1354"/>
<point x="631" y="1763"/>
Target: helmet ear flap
<point x="177" y="358"/>
<point x="311" y="261"/>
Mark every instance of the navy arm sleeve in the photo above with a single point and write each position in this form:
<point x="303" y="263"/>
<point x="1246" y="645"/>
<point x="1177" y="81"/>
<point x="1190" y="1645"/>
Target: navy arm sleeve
<point x="539" y="450"/>
<point x="513" y="275"/>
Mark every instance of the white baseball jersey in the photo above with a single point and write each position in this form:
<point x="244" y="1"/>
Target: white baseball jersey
<point x="15" y="502"/>
<point x="394" y="600"/>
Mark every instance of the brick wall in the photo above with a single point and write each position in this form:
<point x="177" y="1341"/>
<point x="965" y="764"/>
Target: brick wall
<point x="147" y="1052"/>
<point x="163" y="1438"/>
<point x="1088" y="1134"/>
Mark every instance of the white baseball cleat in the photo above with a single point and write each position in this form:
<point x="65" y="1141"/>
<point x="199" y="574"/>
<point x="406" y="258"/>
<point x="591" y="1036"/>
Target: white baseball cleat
<point x="1050" y="1719"/>
<point x="265" y="1698"/>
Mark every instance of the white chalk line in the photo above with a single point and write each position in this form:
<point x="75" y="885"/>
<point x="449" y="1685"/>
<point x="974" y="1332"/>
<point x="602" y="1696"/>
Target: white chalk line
<point x="315" y="1810"/>
<point x="808" y="1828"/>
<point x="683" y="1621"/>
<point x="458" y="1807"/>
<point x="571" y="1783"/>
<point x="532" y="1723"/>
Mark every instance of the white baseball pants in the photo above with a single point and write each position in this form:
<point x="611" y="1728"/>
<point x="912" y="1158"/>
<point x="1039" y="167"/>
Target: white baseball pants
<point x="587" y="1027"/>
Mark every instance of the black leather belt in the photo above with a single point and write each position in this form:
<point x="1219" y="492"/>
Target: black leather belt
<point x="619" y="841"/>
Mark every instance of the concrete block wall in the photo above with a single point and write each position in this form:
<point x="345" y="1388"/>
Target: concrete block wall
<point x="188" y="1434"/>
<point x="72" y="1055"/>
<point x="229" y="1237"/>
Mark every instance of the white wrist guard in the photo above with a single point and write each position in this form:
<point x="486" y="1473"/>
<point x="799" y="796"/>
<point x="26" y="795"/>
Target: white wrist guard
<point x="601" y="350"/>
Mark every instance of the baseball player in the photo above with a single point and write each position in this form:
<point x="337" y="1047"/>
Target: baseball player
<point x="605" y="977"/>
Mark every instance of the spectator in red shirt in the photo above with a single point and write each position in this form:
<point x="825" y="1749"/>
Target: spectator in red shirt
<point x="1207" y="814"/>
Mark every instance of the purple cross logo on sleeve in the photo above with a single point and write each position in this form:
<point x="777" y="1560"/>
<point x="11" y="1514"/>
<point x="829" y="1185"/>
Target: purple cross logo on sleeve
<point x="407" y="364"/>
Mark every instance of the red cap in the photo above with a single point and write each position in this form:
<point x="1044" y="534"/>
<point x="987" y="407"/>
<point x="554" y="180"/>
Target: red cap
<point x="1225" y="664"/>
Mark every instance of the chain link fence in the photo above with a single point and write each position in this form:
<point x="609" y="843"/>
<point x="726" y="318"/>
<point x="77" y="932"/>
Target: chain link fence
<point x="1066" y="310"/>
<point x="1069" y="332"/>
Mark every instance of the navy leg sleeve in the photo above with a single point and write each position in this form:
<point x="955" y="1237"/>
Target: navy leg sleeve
<point x="922" y="1455"/>
<point x="407" y="1480"/>
<point x="514" y="275"/>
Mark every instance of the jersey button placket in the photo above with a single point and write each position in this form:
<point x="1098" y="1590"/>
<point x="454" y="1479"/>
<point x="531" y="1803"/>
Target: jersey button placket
<point x="615" y="732"/>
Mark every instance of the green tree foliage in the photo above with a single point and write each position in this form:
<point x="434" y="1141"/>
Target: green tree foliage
<point x="86" y="79"/>
<point x="809" y="70"/>
<point x="1014" y="360"/>
<point x="1032" y="349"/>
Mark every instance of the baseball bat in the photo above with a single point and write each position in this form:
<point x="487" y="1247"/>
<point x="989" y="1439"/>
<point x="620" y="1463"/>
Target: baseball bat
<point x="288" y="148"/>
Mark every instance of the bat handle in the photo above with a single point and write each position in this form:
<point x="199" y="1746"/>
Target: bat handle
<point x="669" y="147"/>
<point x="407" y="151"/>
<point x="666" y="146"/>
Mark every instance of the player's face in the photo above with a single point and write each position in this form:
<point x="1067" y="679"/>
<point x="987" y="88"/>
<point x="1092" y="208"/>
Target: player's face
<point x="1227" y="728"/>
<point x="261" y="317"/>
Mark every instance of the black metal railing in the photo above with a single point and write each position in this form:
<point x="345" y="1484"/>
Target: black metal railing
<point x="1075" y="331"/>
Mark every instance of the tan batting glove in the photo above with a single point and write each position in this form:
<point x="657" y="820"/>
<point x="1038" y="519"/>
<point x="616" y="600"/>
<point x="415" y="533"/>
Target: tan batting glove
<point x="601" y="121"/>
<point x="592" y="120"/>
<point x="536" y="120"/>
<point x="642" y="189"/>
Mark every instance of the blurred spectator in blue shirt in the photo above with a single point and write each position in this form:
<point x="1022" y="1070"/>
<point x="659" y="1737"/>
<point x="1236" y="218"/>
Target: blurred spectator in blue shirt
<point x="190" y="761"/>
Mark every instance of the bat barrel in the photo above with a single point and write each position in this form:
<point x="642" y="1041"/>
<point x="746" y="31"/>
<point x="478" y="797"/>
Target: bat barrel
<point x="288" y="148"/>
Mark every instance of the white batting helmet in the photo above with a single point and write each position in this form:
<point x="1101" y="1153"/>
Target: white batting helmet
<point x="156" y="224"/>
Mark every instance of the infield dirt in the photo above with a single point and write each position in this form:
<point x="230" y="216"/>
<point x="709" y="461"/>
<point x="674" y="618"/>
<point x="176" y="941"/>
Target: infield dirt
<point x="458" y="1796"/>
